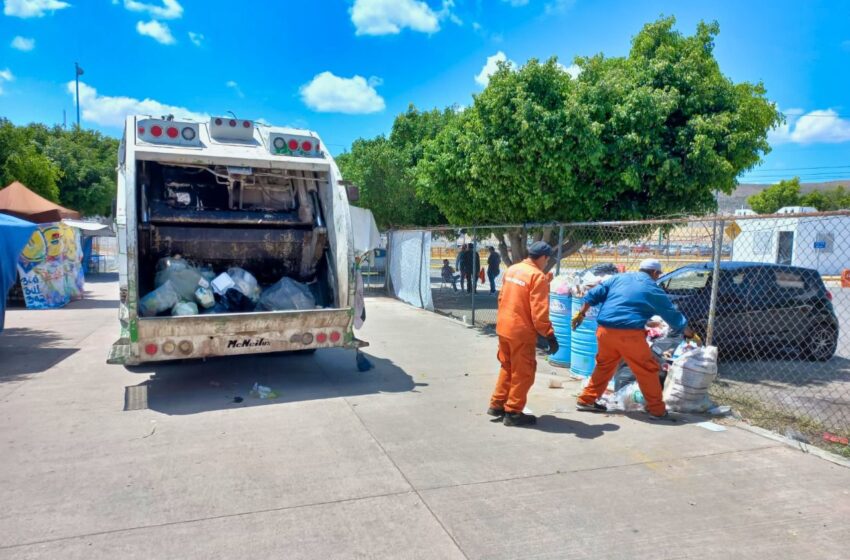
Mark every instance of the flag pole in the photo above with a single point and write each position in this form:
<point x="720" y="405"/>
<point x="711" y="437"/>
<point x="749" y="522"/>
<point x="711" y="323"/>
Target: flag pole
<point x="77" y="72"/>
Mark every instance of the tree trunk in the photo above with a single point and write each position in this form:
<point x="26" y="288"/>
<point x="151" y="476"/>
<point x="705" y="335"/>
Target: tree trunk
<point x="503" y="249"/>
<point x="518" y="238"/>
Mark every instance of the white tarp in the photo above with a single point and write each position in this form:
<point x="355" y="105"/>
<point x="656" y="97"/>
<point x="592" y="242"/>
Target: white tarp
<point x="410" y="267"/>
<point x="366" y="234"/>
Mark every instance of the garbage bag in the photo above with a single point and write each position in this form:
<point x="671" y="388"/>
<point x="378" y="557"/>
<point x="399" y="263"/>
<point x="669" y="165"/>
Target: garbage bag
<point x="207" y="273"/>
<point x="184" y="308"/>
<point x="236" y="302"/>
<point x="623" y="377"/>
<point x="161" y="299"/>
<point x="690" y="376"/>
<point x="286" y="294"/>
<point x="205" y="297"/>
<point x="245" y="282"/>
<point x="183" y="275"/>
<point x="628" y="398"/>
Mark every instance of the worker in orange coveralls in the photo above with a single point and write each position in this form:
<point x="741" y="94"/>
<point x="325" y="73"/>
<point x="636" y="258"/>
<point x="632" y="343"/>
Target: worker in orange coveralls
<point x="627" y="301"/>
<point x="523" y="314"/>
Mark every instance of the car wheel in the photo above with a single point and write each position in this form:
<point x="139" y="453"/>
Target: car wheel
<point x="821" y="344"/>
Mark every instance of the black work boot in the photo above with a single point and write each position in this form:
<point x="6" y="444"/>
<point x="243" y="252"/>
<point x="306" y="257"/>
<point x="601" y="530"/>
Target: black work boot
<point x="595" y="407"/>
<point x="497" y="412"/>
<point x="519" y="419"/>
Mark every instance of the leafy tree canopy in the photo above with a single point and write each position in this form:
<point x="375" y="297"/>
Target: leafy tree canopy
<point x="787" y="193"/>
<point x="75" y="168"/>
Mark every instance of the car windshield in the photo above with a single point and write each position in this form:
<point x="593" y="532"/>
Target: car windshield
<point x="686" y="281"/>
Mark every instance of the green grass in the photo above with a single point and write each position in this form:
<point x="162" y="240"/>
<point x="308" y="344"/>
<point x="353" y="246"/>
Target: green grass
<point x="765" y="415"/>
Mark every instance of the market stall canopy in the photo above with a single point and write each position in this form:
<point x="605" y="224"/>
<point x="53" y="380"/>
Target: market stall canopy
<point x="90" y="229"/>
<point x="14" y="234"/>
<point x="17" y="200"/>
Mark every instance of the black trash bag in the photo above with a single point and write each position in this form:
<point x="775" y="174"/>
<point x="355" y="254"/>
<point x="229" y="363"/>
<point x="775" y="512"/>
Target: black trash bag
<point x="235" y="301"/>
<point x="623" y="377"/>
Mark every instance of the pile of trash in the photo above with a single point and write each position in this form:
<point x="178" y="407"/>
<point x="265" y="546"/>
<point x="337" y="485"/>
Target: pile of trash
<point x="687" y="371"/>
<point x="184" y="288"/>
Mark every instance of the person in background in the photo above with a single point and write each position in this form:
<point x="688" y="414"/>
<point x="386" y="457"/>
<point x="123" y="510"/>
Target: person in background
<point x="459" y="262"/>
<point x="471" y="265"/>
<point x="448" y="274"/>
<point x="494" y="262"/>
<point x="626" y="302"/>
<point x="523" y="315"/>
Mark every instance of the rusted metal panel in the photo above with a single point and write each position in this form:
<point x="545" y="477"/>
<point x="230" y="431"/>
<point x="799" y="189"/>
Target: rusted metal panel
<point x="204" y="336"/>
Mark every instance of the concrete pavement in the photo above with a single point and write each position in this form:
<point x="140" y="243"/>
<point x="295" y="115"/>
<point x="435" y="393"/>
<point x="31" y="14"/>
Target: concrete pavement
<point x="398" y="462"/>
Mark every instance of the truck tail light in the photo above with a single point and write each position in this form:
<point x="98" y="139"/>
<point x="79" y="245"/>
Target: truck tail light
<point x="307" y="338"/>
<point x="335" y="336"/>
<point x="185" y="347"/>
<point x="172" y="132"/>
<point x="321" y="338"/>
<point x="156" y="131"/>
<point x="150" y="349"/>
<point x="168" y="347"/>
<point x="188" y="133"/>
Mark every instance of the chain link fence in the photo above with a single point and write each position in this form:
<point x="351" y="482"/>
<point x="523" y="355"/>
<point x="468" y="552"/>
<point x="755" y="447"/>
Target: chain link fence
<point x="772" y="292"/>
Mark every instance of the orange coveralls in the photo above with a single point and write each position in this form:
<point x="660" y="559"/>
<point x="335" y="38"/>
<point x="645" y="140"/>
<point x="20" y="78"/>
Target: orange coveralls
<point x="523" y="314"/>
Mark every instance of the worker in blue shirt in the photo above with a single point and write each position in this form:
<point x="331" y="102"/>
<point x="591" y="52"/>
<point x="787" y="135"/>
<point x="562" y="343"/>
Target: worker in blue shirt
<point x="626" y="302"/>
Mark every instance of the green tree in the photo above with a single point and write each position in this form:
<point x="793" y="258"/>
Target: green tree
<point x="655" y="133"/>
<point x="784" y="193"/>
<point x="837" y="198"/>
<point x="384" y="169"/>
<point x="21" y="160"/>
<point x="87" y="159"/>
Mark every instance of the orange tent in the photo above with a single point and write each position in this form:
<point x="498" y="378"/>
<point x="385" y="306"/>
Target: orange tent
<point x="17" y="200"/>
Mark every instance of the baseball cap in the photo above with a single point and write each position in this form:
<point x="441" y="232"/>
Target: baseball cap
<point x="539" y="249"/>
<point x="651" y="264"/>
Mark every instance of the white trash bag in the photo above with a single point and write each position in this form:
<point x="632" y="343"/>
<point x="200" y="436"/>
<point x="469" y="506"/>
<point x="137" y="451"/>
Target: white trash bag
<point x="690" y="376"/>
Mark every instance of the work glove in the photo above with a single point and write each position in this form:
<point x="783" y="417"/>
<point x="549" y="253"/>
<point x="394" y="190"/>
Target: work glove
<point x="577" y="320"/>
<point x="553" y="344"/>
<point x="690" y="334"/>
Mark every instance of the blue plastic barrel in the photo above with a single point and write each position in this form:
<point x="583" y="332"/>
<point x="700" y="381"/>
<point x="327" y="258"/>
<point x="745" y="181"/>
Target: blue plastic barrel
<point x="560" y="315"/>
<point x="583" y="344"/>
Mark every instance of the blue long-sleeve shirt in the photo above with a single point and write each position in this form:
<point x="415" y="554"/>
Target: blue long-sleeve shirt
<point x="628" y="301"/>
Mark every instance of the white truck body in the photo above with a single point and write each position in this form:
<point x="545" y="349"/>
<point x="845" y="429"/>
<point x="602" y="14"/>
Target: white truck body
<point x="268" y="199"/>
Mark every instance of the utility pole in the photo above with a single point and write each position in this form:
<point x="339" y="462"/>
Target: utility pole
<point x="77" y="73"/>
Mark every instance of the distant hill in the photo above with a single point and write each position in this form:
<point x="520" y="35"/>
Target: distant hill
<point x="738" y="199"/>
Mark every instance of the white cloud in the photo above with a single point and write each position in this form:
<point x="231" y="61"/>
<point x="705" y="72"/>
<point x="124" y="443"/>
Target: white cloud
<point x="24" y="44"/>
<point x="156" y="30"/>
<point x="5" y="76"/>
<point x="196" y="38"/>
<point x="170" y="9"/>
<point x="389" y="17"/>
<point x="111" y="111"/>
<point x="573" y="69"/>
<point x="235" y="87"/>
<point x="32" y="8"/>
<point x="559" y="6"/>
<point x="327" y="93"/>
<point x="483" y="77"/>
<point x="822" y="126"/>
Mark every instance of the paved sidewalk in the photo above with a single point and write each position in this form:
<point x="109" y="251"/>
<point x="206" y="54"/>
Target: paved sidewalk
<point x="399" y="462"/>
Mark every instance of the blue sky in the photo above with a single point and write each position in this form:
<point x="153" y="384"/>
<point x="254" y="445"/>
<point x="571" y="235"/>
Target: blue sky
<point x="346" y="68"/>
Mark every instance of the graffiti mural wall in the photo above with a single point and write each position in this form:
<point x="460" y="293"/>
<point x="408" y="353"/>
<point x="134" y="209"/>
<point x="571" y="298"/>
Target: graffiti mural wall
<point x="50" y="267"/>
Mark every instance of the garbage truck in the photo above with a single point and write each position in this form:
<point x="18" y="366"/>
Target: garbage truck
<point x="234" y="195"/>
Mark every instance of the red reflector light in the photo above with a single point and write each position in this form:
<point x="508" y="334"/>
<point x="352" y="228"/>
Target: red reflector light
<point x="829" y="295"/>
<point x="141" y="130"/>
<point x="150" y="349"/>
<point x="246" y="124"/>
<point x="218" y="122"/>
<point x="232" y="122"/>
<point x="172" y="132"/>
<point x="306" y="145"/>
<point x="293" y="144"/>
<point x="156" y="131"/>
<point x="335" y="336"/>
<point x="321" y="338"/>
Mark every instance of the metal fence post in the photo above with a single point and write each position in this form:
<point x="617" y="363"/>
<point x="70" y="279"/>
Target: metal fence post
<point x="560" y="245"/>
<point x="717" y="239"/>
<point x="474" y="277"/>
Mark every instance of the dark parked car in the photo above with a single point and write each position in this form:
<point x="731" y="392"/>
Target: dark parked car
<point x="763" y="308"/>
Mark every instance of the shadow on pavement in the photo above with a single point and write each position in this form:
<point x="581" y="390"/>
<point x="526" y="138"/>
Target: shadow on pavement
<point x="27" y="351"/>
<point x="554" y="425"/>
<point x="224" y="383"/>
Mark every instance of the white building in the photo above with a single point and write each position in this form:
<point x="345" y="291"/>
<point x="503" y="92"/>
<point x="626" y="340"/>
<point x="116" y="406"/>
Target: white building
<point x="818" y="242"/>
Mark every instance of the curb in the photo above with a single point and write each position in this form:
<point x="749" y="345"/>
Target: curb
<point x="799" y="445"/>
